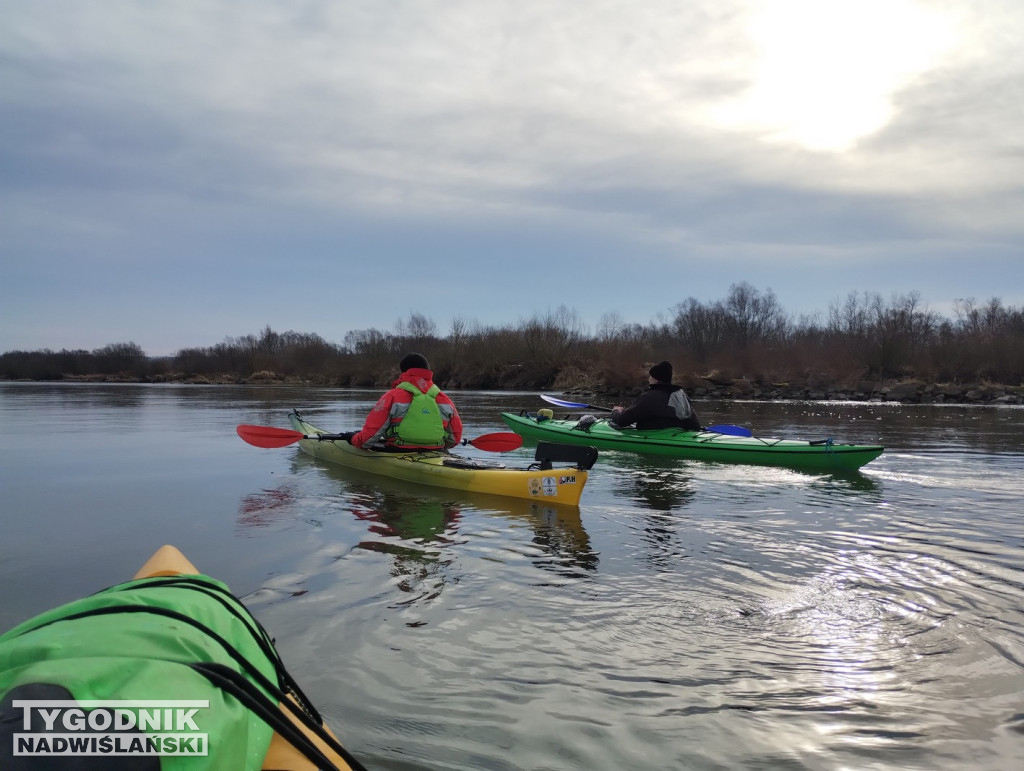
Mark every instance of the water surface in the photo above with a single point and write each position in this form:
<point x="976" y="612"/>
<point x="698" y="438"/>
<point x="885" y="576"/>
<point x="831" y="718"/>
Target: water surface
<point x="685" y="615"/>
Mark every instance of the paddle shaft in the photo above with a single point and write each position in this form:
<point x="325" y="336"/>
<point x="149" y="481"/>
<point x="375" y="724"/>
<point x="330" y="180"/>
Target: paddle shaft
<point x="269" y="437"/>
<point x="724" y="428"/>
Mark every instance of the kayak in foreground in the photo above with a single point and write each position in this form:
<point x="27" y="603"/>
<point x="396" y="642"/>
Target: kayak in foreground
<point x="540" y="481"/>
<point x="168" y="670"/>
<point x="824" y="455"/>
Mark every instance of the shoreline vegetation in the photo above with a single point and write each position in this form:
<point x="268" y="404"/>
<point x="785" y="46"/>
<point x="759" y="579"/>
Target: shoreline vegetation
<point x="741" y="347"/>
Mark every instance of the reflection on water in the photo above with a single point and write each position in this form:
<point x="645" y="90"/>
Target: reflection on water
<point x="413" y="531"/>
<point x="417" y="520"/>
<point x="417" y="525"/>
<point x="267" y="506"/>
<point x="657" y="483"/>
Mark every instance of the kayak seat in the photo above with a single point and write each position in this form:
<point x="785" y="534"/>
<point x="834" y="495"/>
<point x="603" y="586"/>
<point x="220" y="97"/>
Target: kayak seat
<point x="585" y="423"/>
<point x="584" y="457"/>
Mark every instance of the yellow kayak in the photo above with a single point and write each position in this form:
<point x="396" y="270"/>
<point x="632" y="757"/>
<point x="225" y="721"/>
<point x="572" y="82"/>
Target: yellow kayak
<point x="541" y="481"/>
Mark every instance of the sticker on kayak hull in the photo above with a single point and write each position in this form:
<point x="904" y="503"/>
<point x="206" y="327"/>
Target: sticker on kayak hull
<point x="549" y="485"/>
<point x="543" y="486"/>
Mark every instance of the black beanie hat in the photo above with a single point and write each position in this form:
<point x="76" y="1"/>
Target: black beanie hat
<point x="662" y="372"/>
<point x="413" y="361"/>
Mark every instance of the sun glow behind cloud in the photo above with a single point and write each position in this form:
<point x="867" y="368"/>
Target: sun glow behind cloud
<point x="826" y="70"/>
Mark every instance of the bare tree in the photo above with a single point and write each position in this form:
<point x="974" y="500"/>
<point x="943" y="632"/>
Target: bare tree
<point x="418" y="327"/>
<point x="751" y="316"/>
<point x="699" y="329"/>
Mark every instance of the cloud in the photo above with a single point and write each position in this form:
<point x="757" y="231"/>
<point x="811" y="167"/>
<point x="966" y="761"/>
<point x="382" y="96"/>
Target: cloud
<point x="225" y="143"/>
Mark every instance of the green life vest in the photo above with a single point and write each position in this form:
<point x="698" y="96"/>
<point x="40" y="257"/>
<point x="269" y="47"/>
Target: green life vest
<point x="422" y="425"/>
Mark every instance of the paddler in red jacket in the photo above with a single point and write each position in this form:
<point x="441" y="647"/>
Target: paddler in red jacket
<point x="414" y="415"/>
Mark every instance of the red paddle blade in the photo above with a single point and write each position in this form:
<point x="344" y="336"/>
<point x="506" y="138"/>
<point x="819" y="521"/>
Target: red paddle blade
<point x="498" y="442"/>
<point x="267" y="436"/>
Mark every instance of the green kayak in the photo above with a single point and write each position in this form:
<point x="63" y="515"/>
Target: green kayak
<point x="824" y="455"/>
<point x="166" y="671"/>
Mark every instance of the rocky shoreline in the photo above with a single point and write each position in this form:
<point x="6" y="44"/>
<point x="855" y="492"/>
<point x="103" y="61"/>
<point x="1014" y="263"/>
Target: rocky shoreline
<point x="714" y="388"/>
<point x="711" y="388"/>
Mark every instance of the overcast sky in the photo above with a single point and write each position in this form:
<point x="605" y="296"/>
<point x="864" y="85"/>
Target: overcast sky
<point x="176" y="173"/>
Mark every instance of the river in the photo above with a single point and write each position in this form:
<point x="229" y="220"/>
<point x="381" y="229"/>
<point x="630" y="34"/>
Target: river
<point x="685" y="616"/>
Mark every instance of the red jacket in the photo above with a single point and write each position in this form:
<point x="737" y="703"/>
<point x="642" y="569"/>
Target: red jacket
<point x="391" y="407"/>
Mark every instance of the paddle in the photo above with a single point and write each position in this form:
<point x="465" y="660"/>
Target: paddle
<point x="574" y="405"/>
<point x="268" y="436"/>
<point x="723" y="428"/>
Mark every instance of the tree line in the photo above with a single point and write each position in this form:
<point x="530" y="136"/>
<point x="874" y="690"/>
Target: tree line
<point x="745" y="334"/>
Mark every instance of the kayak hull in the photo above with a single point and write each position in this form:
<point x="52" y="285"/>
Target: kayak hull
<point x="553" y="485"/>
<point x="699" y="445"/>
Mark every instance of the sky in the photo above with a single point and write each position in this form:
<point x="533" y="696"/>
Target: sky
<point x="173" y="174"/>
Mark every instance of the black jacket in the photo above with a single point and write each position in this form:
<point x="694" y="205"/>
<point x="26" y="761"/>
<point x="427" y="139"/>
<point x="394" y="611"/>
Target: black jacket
<point x="663" y="405"/>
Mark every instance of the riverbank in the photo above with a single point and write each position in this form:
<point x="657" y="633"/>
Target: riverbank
<point x="903" y="391"/>
<point x="712" y="388"/>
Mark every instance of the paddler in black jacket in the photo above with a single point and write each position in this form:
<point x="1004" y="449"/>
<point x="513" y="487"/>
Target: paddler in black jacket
<point x="663" y="405"/>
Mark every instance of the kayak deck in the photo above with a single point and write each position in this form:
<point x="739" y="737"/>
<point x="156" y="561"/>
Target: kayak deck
<point x="540" y="481"/>
<point x="824" y="455"/>
<point x="168" y="633"/>
<point x="281" y="754"/>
